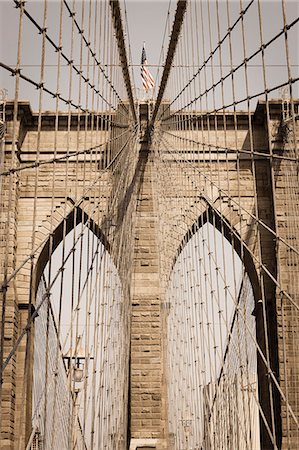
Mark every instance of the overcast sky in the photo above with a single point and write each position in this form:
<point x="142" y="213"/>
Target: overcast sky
<point x="148" y="21"/>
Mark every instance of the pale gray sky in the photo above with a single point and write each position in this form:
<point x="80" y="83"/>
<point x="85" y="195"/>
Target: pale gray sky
<point x="148" y="21"/>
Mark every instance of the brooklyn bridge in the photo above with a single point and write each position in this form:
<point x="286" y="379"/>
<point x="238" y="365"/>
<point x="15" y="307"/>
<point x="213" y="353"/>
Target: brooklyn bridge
<point x="149" y="225"/>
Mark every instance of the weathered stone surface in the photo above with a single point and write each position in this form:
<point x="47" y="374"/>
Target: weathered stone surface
<point x="219" y="175"/>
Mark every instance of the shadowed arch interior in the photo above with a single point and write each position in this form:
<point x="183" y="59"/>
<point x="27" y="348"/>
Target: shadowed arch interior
<point x="223" y="226"/>
<point x="75" y="217"/>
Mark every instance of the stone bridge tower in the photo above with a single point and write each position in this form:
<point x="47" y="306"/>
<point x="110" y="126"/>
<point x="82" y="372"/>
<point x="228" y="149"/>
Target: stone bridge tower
<point x="147" y="393"/>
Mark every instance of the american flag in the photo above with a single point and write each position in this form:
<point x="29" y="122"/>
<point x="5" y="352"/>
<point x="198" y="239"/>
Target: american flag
<point x="147" y="79"/>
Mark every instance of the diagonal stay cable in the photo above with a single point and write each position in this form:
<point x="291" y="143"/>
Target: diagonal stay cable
<point x="232" y="71"/>
<point x="259" y="221"/>
<point x="47" y="293"/>
<point x="64" y="56"/>
<point x="65" y="157"/>
<point x="223" y="218"/>
<point x="75" y="205"/>
<point x="176" y="29"/>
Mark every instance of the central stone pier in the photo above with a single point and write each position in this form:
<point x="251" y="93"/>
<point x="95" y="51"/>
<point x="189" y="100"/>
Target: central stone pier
<point x="147" y="414"/>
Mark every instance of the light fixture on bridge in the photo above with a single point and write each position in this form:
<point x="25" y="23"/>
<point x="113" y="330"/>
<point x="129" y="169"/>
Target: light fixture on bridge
<point x="75" y="361"/>
<point x="187" y="423"/>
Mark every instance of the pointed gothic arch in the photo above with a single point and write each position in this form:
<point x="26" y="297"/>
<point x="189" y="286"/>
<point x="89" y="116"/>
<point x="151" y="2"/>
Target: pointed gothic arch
<point x="106" y="295"/>
<point x="270" y="405"/>
<point x="215" y="218"/>
<point x="74" y="218"/>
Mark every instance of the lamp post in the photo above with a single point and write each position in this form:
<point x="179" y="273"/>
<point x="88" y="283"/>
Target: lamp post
<point x="75" y="364"/>
<point x="187" y="426"/>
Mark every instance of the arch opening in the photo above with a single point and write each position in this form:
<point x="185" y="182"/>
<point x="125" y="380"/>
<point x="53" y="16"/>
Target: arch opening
<point x="80" y="343"/>
<point x="211" y="347"/>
